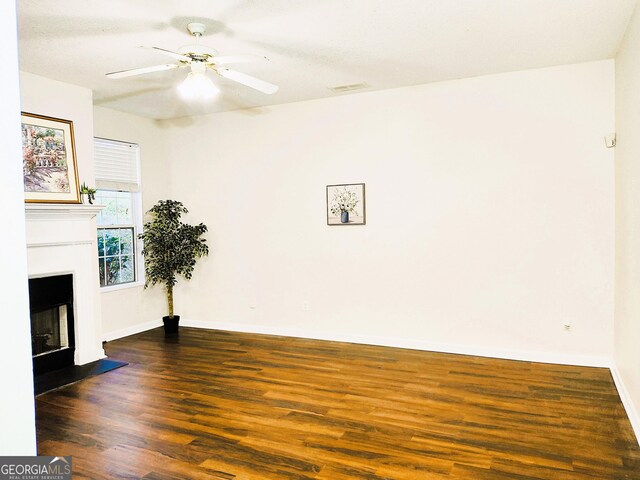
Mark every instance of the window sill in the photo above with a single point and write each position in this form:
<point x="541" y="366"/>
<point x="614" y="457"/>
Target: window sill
<point x="122" y="286"/>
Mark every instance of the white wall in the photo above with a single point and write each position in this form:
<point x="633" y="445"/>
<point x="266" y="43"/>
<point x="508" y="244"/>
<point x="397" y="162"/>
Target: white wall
<point x="490" y="216"/>
<point x="17" y="414"/>
<point x="52" y="98"/>
<point x="44" y="96"/>
<point x="129" y="310"/>
<point x="627" y="271"/>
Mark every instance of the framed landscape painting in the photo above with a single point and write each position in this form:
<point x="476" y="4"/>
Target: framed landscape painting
<point x="49" y="160"/>
<point x="346" y="204"/>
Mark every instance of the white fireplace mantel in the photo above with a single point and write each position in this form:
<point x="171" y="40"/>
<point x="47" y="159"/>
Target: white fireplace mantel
<point x="53" y="211"/>
<point x="61" y="238"/>
<point x="55" y="224"/>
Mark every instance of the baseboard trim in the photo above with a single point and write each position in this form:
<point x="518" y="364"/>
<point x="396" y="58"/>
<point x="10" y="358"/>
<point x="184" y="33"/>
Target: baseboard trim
<point x="632" y="413"/>
<point x="527" y="356"/>
<point x="125" y="332"/>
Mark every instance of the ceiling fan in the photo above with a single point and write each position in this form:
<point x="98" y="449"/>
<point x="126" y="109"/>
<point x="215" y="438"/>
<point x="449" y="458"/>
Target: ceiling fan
<point x="200" y="58"/>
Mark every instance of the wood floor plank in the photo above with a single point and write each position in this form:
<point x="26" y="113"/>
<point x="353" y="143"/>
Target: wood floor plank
<point x="234" y="406"/>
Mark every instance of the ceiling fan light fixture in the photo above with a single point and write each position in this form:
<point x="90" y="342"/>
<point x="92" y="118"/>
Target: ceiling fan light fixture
<point x="200" y="59"/>
<point x="197" y="86"/>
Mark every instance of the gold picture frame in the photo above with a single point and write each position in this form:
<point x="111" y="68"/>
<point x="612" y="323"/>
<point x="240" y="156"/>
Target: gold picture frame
<point x="49" y="160"/>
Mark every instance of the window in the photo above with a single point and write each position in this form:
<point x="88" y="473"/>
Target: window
<point x="116" y="238"/>
<point x="117" y="181"/>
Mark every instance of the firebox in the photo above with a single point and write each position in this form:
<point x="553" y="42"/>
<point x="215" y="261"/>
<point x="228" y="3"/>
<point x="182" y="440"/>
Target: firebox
<point x="52" y="331"/>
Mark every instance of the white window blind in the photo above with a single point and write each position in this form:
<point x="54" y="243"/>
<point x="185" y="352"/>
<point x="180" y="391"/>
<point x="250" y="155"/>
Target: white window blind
<point x="116" y="165"/>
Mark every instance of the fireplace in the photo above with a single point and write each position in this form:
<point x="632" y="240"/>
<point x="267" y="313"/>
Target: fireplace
<point x="62" y="262"/>
<point x="52" y="322"/>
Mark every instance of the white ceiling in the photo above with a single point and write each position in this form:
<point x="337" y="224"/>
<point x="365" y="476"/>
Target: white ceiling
<point x="312" y="45"/>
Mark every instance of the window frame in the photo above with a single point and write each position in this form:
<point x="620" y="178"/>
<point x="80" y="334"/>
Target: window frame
<point x="136" y="215"/>
<point x="125" y="179"/>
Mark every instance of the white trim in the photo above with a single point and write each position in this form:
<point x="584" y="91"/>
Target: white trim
<point x="632" y="413"/>
<point x="49" y="211"/>
<point x="527" y="356"/>
<point x="121" y="286"/>
<point x="125" y="332"/>
<point x="62" y="243"/>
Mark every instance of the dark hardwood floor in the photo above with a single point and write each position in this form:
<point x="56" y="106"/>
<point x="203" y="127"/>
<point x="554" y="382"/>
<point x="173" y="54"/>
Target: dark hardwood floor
<point x="221" y="405"/>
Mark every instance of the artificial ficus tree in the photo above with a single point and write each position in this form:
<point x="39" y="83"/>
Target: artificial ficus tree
<point x="170" y="247"/>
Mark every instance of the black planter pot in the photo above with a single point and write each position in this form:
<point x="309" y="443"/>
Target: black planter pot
<point x="171" y="324"/>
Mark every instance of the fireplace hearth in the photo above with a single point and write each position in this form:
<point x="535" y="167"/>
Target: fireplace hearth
<point x="52" y="322"/>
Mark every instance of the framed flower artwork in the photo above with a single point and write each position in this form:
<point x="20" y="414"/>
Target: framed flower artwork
<point x="49" y="160"/>
<point x="346" y="204"/>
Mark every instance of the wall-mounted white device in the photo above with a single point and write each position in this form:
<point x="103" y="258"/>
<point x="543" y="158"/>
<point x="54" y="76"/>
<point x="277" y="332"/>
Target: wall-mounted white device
<point x="610" y="140"/>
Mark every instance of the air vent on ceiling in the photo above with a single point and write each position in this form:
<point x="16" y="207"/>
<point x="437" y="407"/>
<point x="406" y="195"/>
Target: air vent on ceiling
<point x="349" y="88"/>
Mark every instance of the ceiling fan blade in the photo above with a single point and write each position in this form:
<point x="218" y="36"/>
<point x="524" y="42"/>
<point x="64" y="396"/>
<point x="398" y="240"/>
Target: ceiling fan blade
<point x="229" y="59"/>
<point x="142" y="71"/>
<point x="175" y="55"/>
<point x="248" y="80"/>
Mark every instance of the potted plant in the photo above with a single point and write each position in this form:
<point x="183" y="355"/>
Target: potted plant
<point x="87" y="193"/>
<point x="170" y="248"/>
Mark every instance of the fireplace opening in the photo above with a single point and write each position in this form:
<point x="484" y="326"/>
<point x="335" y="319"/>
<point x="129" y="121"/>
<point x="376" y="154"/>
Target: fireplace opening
<point x="49" y="330"/>
<point x="52" y="332"/>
